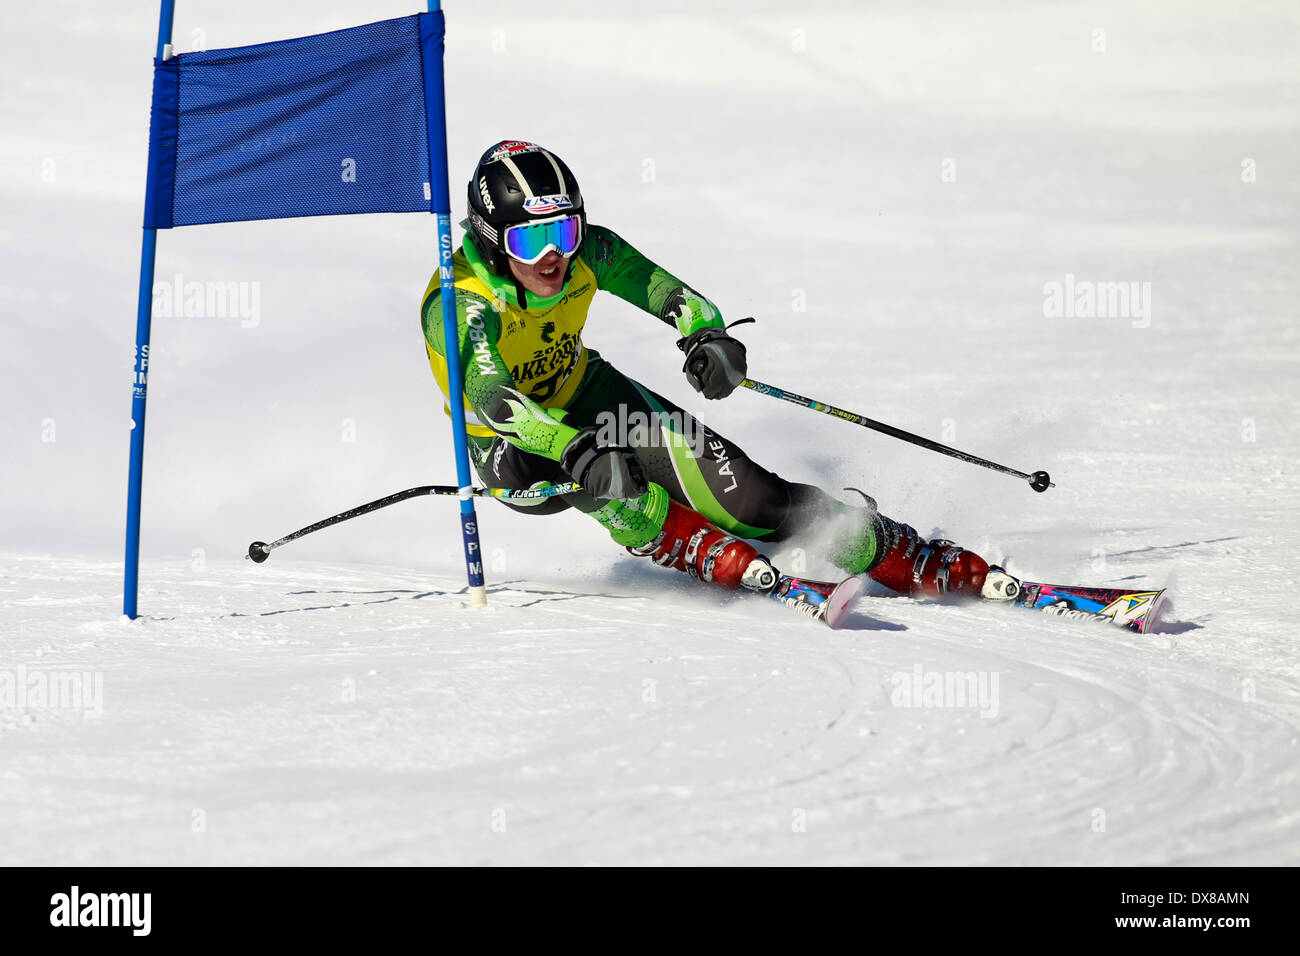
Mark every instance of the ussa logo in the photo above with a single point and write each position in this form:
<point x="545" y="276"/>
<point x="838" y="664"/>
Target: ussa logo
<point x="538" y="205"/>
<point x="102" y="909"/>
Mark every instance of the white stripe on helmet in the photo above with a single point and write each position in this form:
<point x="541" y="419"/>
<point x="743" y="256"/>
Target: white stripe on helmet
<point x="510" y="164"/>
<point x="564" y="187"/>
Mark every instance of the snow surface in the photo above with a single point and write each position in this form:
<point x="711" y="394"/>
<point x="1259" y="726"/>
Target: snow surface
<point x="342" y="703"/>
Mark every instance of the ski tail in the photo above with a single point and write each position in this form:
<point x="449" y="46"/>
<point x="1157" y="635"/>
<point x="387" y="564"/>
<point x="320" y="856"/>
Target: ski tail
<point x="826" y="601"/>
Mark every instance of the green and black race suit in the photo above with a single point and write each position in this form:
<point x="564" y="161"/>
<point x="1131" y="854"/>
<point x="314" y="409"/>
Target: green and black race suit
<point x="531" y="383"/>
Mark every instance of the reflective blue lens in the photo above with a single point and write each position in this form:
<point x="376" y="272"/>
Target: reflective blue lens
<point x="530" y="241"/>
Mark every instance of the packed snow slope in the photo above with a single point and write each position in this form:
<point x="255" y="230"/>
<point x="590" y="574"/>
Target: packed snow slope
<point x="897" y="193"/>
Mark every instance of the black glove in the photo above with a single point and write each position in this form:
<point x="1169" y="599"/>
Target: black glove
<point x="604" y="471"/>
<point x="715" y="362"/>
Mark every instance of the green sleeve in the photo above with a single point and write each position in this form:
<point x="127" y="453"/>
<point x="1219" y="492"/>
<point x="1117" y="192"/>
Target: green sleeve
<point x="622" y="270"/>
<point x="489" y="388"/>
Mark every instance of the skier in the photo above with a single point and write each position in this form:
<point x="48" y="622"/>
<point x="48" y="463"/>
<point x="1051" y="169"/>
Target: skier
<point x="541" y="407"/>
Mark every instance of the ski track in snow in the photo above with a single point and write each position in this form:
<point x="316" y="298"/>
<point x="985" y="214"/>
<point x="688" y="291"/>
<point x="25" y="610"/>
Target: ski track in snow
<point x="789" y="161"/>
<point x="590" y="730"/>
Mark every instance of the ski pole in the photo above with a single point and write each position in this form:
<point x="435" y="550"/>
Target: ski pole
<point x="1040" y="480"/>
<point x="259" y="551"/>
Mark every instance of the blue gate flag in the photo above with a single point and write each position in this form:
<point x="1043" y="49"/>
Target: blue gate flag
<point x="323" y="125"/>
<point x="352" y="121"/>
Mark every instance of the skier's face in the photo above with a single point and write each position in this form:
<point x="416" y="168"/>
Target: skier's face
<point x="545" y="277"/>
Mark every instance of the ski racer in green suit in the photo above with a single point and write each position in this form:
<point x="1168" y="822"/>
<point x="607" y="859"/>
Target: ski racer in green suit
<point x="541" y="407"/>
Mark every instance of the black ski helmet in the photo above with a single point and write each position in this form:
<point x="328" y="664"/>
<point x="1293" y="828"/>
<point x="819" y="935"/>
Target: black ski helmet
<point x="517" y="182"/>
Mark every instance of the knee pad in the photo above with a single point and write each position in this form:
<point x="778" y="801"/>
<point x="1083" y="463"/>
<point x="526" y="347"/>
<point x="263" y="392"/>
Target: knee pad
<point x="635" y="522"/>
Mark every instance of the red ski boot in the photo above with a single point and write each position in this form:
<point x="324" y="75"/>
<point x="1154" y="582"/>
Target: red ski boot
<point x="690" y="542"/>
<point x="936" y="568"/>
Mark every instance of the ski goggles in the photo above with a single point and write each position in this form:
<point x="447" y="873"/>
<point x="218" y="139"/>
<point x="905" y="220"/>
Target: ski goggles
<point x="529" y="241"/>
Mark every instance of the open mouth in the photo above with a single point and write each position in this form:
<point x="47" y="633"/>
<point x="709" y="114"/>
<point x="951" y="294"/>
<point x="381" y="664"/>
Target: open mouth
<point x="550" y="273"/>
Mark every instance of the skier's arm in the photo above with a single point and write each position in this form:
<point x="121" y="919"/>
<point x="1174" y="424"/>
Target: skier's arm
<point x="715" y="362"/>
<point x="492" y="393"/>
<point x="624" y="271"/>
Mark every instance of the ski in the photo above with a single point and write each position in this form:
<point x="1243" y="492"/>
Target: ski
<point x="825" y="601"/>
<point x="1137" y="611"/>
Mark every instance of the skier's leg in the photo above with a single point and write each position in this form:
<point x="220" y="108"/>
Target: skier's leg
<point x="631" y="522"/>
<point x="636" y="524"/>
<point x="862" y="540"/>
<point x="689" y="541"/>
<point x="706" y="493"/>
<point x="674" y="536"/>
<point x="639" y="524"/>
<point x="713" y="476"/>
<point x="912" y="565"/>
<point x="699" y="468"/>
<point x="502" y="465"/>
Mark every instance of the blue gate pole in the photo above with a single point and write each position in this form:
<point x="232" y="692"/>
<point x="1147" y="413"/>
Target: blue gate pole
<point x="139" y="388"/>
<point x="436" y="109"/>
